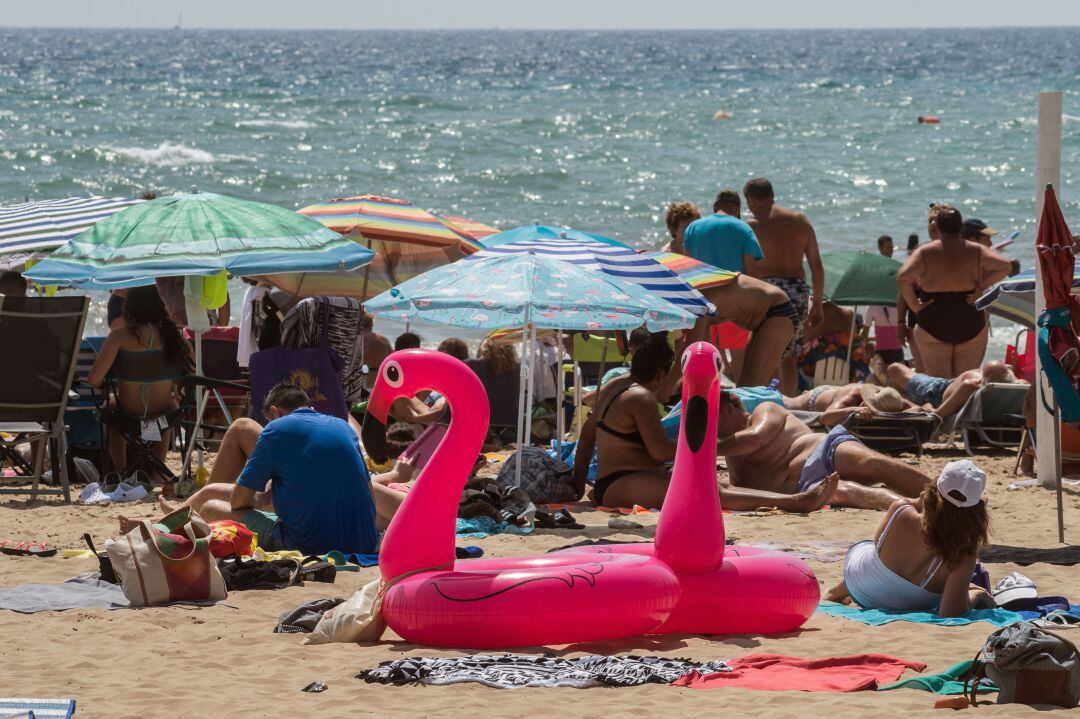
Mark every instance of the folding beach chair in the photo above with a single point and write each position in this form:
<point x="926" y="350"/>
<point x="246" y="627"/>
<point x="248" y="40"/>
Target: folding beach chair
<point x="992" y="417"/>
<point x="39" y="345"/>
<point x="892" y="432"/>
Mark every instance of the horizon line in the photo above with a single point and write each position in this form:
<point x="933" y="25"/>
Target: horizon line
<point x="545" y="29"/>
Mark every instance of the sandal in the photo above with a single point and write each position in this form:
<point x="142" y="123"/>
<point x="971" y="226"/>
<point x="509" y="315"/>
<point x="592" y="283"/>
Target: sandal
<point x="27" y="549"/>
<point x="314" y="569"/>
<point x="559" y="519"/>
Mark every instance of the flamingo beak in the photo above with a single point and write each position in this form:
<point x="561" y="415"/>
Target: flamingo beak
<point x="373" y="431"/>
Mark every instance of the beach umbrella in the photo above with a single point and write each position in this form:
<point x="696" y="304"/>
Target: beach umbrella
<point x="1014" y="297"/>
<point x="855" y="277"/>
<point x="610" y="258"/>
<point x="406" y="240"/>
<point x="536" y="232"/>
<point x="697" y="274"/>
<point x="31" y="229"/>
<point x="528" y="290"/>
<point x="197" y="234"/>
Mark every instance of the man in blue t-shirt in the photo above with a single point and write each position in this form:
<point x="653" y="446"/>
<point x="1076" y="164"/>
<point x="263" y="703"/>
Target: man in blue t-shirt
<point x="319" y="495"/>
<point x="722" y="239"/>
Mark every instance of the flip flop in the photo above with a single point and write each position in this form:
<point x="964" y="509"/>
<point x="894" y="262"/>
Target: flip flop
<point x="560" y="519"/>
<point x="28" y="549"/>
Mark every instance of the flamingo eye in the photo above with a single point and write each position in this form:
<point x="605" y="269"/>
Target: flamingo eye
<point x="393" y="375"/>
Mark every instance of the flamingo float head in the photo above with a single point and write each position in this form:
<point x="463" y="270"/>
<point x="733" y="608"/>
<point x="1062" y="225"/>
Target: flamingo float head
<point x="690" y="533"/>
<point x="421" y="535"/>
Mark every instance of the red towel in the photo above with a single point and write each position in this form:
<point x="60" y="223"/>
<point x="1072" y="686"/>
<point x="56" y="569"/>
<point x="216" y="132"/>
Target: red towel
<point x="777" y="672"/>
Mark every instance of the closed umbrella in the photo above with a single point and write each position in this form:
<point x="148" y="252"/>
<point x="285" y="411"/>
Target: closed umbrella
<point x="30" y="229"/>
<point x="528" y="290"/>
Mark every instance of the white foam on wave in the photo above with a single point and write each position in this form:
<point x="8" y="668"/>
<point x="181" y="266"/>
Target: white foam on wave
<point x="287" y="124"/>
<point x="167" y="153"/>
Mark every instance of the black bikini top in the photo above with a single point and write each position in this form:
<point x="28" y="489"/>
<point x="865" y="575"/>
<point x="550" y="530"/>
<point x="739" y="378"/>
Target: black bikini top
<point x="634" y="436"/>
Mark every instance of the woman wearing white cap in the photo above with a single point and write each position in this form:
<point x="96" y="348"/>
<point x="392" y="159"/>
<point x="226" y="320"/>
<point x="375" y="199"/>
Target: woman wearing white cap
<point x="925" y="552"/>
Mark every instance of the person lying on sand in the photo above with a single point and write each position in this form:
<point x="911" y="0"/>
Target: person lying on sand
<point x="924" y="552"/>
<point x="942" y="396"/>
<point x="765" y="311"/>
<point x="633" y="449"/>
<point x="836" y="404"/>
<point x="771" y="450"/>
<point x="321" y="494"/>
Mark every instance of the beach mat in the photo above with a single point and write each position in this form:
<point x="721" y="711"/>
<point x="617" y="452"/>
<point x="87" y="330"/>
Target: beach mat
<point x="17" y="708"/>
<point x="999" y="553"/>
<point x="876" y="617"/>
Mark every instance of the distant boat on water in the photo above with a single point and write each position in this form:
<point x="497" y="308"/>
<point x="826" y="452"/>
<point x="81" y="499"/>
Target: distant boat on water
<point x="179" y="22"/>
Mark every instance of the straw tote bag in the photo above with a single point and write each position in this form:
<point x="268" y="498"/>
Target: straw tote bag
<point x="157" y="567"/>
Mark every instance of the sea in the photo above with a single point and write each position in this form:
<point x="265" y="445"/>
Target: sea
<point x="593" y="130"/>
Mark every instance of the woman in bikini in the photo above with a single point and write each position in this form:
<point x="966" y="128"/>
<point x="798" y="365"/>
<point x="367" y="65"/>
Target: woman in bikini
<point x="924" y="553"/>
<point x="633" y="450"/>
<point x="147" y="356"/>
<point x="940" y="282"/>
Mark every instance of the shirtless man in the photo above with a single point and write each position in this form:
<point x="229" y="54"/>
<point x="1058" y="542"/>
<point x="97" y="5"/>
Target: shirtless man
<point x="786" y="237"/>
<point x="376" y="349"/>
<point x="940" y="282"/>
<point x="837" y="403"/>
<point x="765" y="311"/>
<point x="771" y="450"/>
<point x="943" y="396"/>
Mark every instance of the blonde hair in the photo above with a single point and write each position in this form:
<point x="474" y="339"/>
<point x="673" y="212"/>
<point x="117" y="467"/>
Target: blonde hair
<point x="679" y="213"/>
<point x="997" y="372"/>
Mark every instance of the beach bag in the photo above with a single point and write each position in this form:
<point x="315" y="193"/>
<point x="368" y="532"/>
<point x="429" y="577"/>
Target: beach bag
<point x="545" y="479"/>
<point x="312" y="369"/>
<point x="1030" y="665"/>
<point x="175" y="565"/>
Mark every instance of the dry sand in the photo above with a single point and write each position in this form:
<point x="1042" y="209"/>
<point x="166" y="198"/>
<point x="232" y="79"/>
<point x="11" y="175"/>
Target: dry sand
<point x="225" y="660"/>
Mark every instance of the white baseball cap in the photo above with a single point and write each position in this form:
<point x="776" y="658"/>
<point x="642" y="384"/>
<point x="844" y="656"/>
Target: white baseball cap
<point x="962" y="483"/>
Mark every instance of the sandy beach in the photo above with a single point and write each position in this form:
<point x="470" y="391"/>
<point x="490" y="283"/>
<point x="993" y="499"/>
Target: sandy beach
<point x="226" y="660"/>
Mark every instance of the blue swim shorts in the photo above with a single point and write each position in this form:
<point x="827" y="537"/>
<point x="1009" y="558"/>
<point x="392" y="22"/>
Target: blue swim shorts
<point x="822" y="461"/>
<point x="924" y="389"/>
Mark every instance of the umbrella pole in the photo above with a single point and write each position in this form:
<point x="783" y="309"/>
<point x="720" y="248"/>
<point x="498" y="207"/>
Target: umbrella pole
<point x="1057" y="475"/>
<point x="531" y="392"/>
<point x="851" y="340"/>
<point x="603" y="361"/>
<point x="523" y="375"/>
<point x="560" y="390"/>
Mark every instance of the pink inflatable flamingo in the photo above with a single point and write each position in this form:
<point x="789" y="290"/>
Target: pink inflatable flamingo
<point x="554" y="599"/>
<point x="723" y="590"/>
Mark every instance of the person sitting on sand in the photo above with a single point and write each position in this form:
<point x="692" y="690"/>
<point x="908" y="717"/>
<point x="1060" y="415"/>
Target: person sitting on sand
<point x="302" y="486"/>
<point x="772" y="450"/>
<point x="924" y="553"/>
<point x="942" y="396"/>
<point x="633" y="449"/>
<point x="763" y="309"/>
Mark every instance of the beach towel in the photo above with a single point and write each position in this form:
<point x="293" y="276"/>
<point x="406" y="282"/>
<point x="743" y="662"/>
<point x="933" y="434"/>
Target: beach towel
<point x="948" y="682"/>
<point x="511" y="671"/>
<point x="999" y="553"/>
<point x="480" y="527"/>
<point x="776" y="672"/>
<point x="78" y="593"/>
<point x="876" y="617"/>
<point x="41" y="708"/>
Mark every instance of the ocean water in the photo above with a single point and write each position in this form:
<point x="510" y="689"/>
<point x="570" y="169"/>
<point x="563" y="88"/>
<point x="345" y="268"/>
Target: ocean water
<point x="597" y="130"/>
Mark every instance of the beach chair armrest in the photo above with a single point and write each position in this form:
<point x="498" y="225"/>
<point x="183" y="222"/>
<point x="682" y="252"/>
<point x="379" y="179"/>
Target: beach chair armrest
<point x="194" y="380"/>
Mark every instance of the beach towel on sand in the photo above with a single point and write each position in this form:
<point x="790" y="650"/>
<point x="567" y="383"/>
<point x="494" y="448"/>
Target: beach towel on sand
<point x="948" y="682"/>
<point x="40" y="708"/>
<point x="875" y="617"/>
<point x="777" y="672"/>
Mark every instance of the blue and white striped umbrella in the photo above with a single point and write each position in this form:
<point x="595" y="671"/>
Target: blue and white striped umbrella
<point x="611" y="258"/>
<point x="33" y="228"/>
<point x="1014" y="298"/>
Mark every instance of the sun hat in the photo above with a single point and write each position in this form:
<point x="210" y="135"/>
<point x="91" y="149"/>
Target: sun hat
<point x="882" y="399"/>
<point x="1014" y="586"/>
<point x="962" y="483"/>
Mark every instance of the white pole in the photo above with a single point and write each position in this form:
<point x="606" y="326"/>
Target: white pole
<point x="200" y="404"/>
<point x="851" y="341"/>
<point x="1047" y="171"/>
<point x="560" y="417"/>
<point x="532" y="385"/>
<point x="524" y="377"/>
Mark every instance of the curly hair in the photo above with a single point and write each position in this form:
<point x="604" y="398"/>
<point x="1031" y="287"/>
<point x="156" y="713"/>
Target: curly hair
<point x="500" y="358"/>
<point x="679" y="213"/>
<point x="953" y="532"/>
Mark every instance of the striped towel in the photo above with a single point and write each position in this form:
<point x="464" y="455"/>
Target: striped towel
<point x="36" y="708"/>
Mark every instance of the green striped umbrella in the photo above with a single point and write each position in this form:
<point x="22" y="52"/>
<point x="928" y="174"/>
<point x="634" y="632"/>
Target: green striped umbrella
<point x="198" y="234"/>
